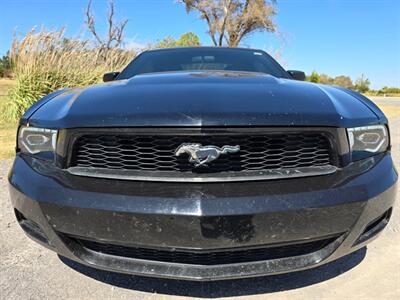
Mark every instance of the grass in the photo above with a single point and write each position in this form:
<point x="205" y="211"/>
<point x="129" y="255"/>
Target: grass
<point x="5" y="85"/>
<point x="45" y="61"/>
<point x="7" y="140"/>
<point x="8" y="129"/>
<point x="391" y="111"/>
<point x="372" y="94"/>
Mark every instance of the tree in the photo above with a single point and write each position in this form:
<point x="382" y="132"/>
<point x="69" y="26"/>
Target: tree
<point x="230" y="21"/>
<point x="344" y="81"/>
<point x="389" y="90"/>
<point x="362" y="84"/>
<point x="168" y="42"/>
<point x="314" y="77"/>
<point x="115" y="31"/>
<point x="5" y="66"/>
<point x="186" y="40"/>
<point x="325" y="79"/>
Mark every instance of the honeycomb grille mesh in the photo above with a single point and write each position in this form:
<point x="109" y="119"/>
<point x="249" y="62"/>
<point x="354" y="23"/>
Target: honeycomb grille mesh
<point x="157" y="152"/>
<point x="208" y="257"/>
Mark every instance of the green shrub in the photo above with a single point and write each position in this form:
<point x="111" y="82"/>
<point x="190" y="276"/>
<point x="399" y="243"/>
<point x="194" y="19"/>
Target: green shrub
<point x="362" y="84"/>
<point x="188" y="39"/>
<point x="389" y="91"/>
<point x="46" y="61"/>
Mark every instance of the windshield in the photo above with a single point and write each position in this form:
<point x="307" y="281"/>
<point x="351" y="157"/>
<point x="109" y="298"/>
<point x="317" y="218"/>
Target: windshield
<point x="200" y="59"/>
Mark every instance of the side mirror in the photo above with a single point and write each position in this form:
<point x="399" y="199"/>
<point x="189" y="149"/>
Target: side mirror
<point x="110" y="76"/>
<point x="297" y="75"/>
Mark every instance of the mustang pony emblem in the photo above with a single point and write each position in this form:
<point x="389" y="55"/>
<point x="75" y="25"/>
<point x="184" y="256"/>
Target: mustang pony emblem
<point x="202" y="155"/>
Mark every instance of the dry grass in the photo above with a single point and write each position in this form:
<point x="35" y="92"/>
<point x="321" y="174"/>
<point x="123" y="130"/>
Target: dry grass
<point x="46" y="61"/>
<point x="7" y="139"/>
<point x="7" y="129"/>
<point x="5" y="85"/>
<point x="391" y="111"/>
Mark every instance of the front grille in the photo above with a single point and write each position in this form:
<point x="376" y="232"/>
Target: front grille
<point x="156" y="153"/>
<point x="221" y="257"/>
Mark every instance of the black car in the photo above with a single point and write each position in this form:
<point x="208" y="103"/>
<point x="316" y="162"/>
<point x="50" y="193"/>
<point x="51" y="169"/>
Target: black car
<point x="203" y="164"/>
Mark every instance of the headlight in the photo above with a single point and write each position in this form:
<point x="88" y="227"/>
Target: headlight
<point x="368" y="140"/>
<point x="37" y="141"/>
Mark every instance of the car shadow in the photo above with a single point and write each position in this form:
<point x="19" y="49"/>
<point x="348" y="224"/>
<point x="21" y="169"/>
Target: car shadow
<point x="224" y="288"/>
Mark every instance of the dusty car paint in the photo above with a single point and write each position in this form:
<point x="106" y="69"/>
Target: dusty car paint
<point x="345" y="208"/>
<point x="205" y="99"/>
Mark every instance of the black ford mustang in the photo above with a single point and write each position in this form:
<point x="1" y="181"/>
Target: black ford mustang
<point x="203" y="164"/>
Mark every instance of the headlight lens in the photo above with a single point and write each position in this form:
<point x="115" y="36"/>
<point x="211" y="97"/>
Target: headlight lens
<point x="368" y="140"/>
<point x="37" y="141"/>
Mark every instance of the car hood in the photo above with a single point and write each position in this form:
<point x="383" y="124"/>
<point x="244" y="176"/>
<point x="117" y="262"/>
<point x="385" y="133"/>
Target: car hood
<point x="203" y="99"/>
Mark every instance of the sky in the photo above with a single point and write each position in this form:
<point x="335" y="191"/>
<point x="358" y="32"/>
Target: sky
<point x="336" y="37"/>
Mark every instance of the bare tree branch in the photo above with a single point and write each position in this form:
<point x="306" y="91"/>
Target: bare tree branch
<point x="115" y="31"/>
<point x="90" y="22"/>
<point x="196" y="5"/>
<point x="233" y="20"/>
<point x="226" y="9"/>
<point x="111" y="29"/>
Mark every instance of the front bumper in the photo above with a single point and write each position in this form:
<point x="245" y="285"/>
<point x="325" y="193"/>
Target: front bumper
<point x="347" y="209"/>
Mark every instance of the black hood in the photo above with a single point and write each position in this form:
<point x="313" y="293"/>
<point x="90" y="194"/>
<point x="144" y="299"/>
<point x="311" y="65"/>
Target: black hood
<point x="204" y="99"/>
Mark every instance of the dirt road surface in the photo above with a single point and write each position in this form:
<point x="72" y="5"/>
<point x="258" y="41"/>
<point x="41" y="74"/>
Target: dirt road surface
<point x="28" y="271"/>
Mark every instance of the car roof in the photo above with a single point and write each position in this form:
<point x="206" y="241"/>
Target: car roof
<point x="204" y="47"/>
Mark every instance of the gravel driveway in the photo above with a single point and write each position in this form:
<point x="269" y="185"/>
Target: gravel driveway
<point x="29" y="271"/>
